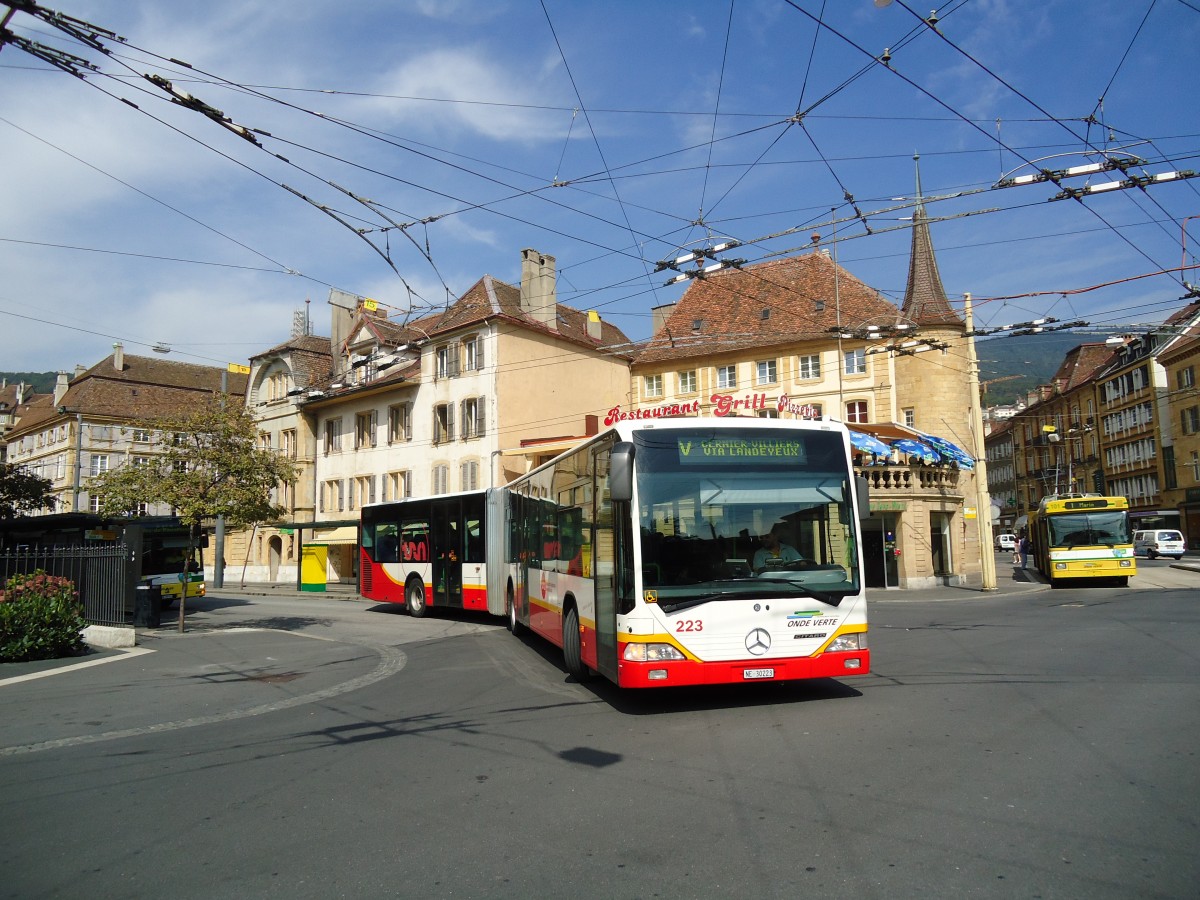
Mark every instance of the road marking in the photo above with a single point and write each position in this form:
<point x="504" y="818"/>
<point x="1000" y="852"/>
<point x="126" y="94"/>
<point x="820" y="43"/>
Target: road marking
<point x="87" y="664"/>
<point x="391" y="661"/>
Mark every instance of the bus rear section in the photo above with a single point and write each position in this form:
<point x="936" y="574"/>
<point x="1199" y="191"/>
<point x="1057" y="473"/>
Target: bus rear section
<point x="426" y="553"/>
<point x="648" y="554"/>
<point x="1082" y="539"/>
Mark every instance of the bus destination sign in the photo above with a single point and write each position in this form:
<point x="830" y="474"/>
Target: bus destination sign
<point x="736" y="451"/>
<point x="1085" y="504"/>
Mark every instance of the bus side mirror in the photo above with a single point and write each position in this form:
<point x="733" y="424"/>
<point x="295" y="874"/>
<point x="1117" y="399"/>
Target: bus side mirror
<point x="863" y="491"/>
<point x="620" y="473"/>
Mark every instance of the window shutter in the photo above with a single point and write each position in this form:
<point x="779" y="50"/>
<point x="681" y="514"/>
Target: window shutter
<point x="480" y="428"/>
<point x="454" y="371"/>
<point x="449" y="421"/>
<point x="407" y="410"/>
<point x="437" y="427"/>
<point x="479" y="352"/>
<point x="465" y="417"/>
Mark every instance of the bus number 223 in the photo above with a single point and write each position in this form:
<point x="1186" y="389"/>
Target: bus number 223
<point x="689" y="625"/>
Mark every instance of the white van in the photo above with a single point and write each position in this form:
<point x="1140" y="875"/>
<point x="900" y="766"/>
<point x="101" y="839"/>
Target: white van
<point x="1006" y="541"/>
<point x="1158" y="542"/>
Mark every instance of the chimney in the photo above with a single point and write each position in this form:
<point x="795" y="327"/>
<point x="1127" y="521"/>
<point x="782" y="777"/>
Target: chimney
<point x="61" y="383"/>
<point x="345" y="308"/>
<point x="539" y="296"/>
<point x="21" y="388"/>
<point x="594" y="325"/>
<point x="79" y="369"/>
<point x="119" y="357"/>
<point x="659" y="316"/>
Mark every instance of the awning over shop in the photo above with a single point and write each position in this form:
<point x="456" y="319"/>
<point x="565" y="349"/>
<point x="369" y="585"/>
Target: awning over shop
<point x="343" y="534"/>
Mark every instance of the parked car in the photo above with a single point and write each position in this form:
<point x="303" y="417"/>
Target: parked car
<point x="1158" y="542"/>
<point x="1006" y="541"/>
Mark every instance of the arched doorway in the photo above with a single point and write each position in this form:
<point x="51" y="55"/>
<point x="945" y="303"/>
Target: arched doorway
<point x="274" y="555"/>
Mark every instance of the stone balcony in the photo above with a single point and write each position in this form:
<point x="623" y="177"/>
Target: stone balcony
<point x="912" y="481"/>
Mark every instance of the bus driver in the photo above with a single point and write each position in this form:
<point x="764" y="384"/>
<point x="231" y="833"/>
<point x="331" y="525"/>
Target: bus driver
<point x="774" y="549"/>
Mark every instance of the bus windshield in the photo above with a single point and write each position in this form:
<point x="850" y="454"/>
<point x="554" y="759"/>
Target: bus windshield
<point x="758" y="513"/>
<point x="1108" y="527"/>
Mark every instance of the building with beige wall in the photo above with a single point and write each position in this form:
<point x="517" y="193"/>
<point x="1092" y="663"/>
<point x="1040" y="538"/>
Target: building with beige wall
<point x="447" y="402"/>
<point x="802" y="337"/>
<point x="1181" y="482"/>
<point x="278" y="381"/>
<point x="97" y="421"/>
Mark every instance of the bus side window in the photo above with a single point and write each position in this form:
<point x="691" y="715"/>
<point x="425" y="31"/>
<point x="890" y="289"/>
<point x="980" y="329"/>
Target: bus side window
<point x="387" y="544"/>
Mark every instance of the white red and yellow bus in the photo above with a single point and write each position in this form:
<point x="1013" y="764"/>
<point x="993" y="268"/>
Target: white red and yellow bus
<point x="640" y="553"/>
<point x="427" y="551"/>
<point x="1082" y="537"/>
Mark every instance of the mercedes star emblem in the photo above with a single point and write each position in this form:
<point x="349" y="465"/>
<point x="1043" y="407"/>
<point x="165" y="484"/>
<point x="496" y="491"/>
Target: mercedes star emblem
<point x="758" y="641"/>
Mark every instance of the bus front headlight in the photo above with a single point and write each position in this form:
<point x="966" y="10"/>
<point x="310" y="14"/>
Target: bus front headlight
<point x="637" y="652"/>
<point x="856" y="641"/>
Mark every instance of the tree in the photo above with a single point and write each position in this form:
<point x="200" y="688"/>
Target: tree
<point x="208" y="464"/>
<point x="21" y="491"/>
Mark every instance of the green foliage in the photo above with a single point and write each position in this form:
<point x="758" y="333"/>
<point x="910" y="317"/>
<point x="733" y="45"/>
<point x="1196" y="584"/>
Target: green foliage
<point x="21" y="491"/>
<point x="41" y="617"/>
<point x="39" y="382"/>
<point x="208" y="463"/>
<point x="1033" y="358"/>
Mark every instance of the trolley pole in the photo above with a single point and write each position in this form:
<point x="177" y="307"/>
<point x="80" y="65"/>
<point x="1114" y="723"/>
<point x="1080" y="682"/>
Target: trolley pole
<point x="983" y="499"/>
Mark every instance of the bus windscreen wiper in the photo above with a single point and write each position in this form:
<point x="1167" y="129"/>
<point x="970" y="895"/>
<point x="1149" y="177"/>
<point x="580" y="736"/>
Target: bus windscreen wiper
<point x="796" y="587"/>
<point x="793" y="588"/>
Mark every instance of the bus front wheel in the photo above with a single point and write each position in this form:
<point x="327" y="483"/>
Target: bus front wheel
<point x="415" y="599"/>
<point x="573" y="645"/>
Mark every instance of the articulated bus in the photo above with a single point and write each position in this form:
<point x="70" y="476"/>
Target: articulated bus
<point x="1078" y="537"/>
<point x="641" y="553"/>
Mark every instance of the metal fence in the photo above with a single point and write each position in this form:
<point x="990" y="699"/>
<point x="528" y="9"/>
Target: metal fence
<point x="100" y="575"/>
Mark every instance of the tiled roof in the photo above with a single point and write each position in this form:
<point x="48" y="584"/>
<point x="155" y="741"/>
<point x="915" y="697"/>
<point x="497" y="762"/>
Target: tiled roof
<point x="304" y="343"/>
<point x="797" y="296"/>
<point x="143" y="389"/>
<point x="1080" y="365"/>
<point x="489" y="298"/>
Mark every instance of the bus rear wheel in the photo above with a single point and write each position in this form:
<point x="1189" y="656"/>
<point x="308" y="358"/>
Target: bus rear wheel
<point x="573" y="645"/>
<point x="414" y="599"/>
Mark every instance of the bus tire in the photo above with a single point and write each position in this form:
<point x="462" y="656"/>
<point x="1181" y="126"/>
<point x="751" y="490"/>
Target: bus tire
<point x="1123" y="581"/>
<point x="573" y="646"/>
<point x="414" y="599"/>
<point x="510" y="603"/>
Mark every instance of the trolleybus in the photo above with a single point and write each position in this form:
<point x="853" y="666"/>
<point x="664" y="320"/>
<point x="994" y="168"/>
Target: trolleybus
<point x="641" y="553"/>
<point x="1081" y="537"/>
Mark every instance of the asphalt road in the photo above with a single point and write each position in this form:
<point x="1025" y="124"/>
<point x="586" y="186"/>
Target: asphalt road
<point x="1036" y="744"/>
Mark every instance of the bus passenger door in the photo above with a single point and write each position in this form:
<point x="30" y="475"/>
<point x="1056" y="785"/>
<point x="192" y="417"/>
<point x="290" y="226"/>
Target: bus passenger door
<point x="604" y="567"/>
<point x="447" y="555"/>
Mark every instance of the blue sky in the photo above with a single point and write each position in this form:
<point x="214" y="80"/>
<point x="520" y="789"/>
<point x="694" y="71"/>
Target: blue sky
<point x="609" y="135"/>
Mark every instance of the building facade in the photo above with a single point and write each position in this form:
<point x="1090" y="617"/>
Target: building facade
<point x="803" y="338"/>
<point x="464" y="399"/>
<point x="97" y="421"/>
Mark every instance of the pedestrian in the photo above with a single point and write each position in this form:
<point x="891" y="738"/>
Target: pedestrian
<point x="1017" y="554"/>
<point x="1025" y="547"/>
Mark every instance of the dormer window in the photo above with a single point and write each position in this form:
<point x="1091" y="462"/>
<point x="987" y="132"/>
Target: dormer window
<point x="766" y="313"/>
